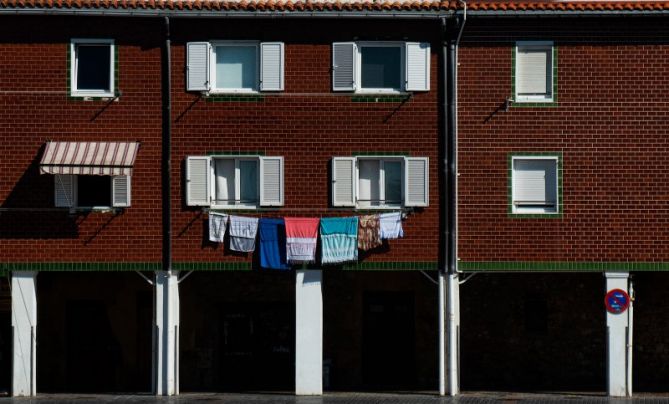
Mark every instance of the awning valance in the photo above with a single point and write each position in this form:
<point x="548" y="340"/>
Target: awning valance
<point x="89" y="158"/>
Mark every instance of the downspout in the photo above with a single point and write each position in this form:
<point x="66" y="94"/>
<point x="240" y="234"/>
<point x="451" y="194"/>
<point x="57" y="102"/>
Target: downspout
<point x="166" y="168"/>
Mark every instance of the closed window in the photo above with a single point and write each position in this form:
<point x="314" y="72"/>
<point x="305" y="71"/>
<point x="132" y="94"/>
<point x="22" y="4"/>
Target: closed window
<point x="244" y="182"/>
<point x="92" y="67"/>
<point x="534" y="72"/>
<point x="91" y="191"/>
<point x="380" y="67"/>
<point x="535" y="184"/>
<point x="380" y="182"/>
<point x="234" y="66"/>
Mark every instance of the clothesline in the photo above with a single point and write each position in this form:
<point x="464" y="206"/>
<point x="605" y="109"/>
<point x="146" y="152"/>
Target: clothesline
<point x="271" y="212"/>
<point x="293" y="240"/>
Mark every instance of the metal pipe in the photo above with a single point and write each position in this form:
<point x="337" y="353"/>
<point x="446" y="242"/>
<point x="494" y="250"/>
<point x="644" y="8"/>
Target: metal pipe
<point x="166" y="162"/>
<point x="630" y="339"/>
<point x="443" y="256"/>
<point x="442" y="337"/>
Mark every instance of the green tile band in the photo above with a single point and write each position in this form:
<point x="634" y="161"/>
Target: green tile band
<point x="560" y="266"/>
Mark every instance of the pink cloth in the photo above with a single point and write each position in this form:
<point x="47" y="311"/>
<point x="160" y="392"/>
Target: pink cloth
<point x="301" y="237"/>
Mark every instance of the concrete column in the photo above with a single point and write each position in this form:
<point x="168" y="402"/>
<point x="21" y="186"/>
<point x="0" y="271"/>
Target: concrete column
<point x="166" y="334"/>
<point x="309" y="332"/>
<point x="453" y="331"/>
<point x="616" y="342"/>
<point x="24" y="325"/>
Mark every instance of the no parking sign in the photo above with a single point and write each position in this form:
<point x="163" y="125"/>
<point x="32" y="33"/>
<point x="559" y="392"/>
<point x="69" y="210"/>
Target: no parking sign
<point x="616" y="301"/>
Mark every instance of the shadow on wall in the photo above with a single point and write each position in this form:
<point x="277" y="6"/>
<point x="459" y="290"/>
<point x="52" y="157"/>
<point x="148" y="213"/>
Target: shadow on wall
<point x="28" y="211"/>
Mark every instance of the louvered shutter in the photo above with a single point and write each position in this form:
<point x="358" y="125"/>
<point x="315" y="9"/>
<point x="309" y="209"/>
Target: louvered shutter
<point x="271" y="181"/>
<point x="534" y="182"/>
<point x="417" y="66"/>
<point x="343" y="66"/>
<point x="121" y="191"/>
<point x="416" y="182"/>
<point x="197" y="66"/>
<point x="533" y="70"/>
<point x="271" y="66"/>
<point x="63" y="190"/>
<point x="197" y="181"/>
<point x="343" y="181"/>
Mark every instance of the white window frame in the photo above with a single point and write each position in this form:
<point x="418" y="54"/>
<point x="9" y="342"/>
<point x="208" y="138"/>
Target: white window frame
<point x="549" y="46"/>
<point x="74" y="91"/>
<point x="535" y="209"/>
<point x="212" y="68"/>
<point x="358" y="68"/>
<point x="382" y="182"/>
<point x="212" y="182"/>
<point x="75" y="194"/>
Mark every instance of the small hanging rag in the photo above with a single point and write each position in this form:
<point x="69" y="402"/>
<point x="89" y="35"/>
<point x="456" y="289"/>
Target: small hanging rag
<point x="369" y="232"/>
<point x="218" y="222"/>
<point x="273" y="244"/>
<point x="243" y="232"/>
<point x="339" y="240"/>
<point x="301" y="237"/>
<point x="391" y="225"/>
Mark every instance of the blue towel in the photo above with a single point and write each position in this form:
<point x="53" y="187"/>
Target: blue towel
<point x="339" y="240"/>
<point x="273" y="244"/>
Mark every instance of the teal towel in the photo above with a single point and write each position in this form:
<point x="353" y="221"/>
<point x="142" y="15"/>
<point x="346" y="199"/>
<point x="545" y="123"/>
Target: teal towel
<point x="339" y="240"/>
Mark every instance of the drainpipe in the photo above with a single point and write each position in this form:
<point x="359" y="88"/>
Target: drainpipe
<point x="166" y="168"/>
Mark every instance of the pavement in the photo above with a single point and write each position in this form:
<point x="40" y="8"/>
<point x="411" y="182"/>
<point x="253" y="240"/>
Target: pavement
<point x="344" y="398"/>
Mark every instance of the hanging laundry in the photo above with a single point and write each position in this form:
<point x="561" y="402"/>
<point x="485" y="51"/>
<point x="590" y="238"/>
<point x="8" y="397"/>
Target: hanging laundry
<point x="218" y="223"/>
<point x="301" y="236"/>
<point x="391" y="225"/>
<point x="243" y="232"/>
<point x="369" y="232"/>
<point x="273" y="244"/>
<point x="339" y="240"/>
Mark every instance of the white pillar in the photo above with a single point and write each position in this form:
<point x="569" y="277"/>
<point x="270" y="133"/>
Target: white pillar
<point x="24" y="324"/>
<point x="616" y="342"/>
<point x="309" y="332"/>
<point x="166" y="334"/>
<point x="453" y="330"/>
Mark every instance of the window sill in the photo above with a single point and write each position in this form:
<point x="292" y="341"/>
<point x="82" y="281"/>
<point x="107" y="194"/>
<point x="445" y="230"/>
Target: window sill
<point x="93" y="96"/>
<point x="535" y="215"/>
<point x="96" y="209"/>
<point x="536" y="102"/>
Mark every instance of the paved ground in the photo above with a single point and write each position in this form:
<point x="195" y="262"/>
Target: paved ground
<point x="343" y="398"/>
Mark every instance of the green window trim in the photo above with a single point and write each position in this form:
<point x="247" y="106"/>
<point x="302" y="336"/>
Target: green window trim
<point x="551" y="104"/>
<point x="560" y="210"/>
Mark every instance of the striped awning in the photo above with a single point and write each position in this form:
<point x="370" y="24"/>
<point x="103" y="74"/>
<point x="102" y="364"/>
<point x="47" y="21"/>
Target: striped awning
<point x="89" y="158"/>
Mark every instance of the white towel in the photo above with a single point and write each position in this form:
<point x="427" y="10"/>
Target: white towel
<point x="243" y="232"/>
<point x="218" y="222"/>
<point x="390" y="225"/>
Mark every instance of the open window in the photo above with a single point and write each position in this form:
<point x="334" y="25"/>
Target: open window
<point x="380" y="67"/>
<point x="235" y="66"/>
<point x="534" y="184"/>
<point x="380" y="182"/>
<point x="234" y="182"/>
<point x="92" y="67"/>
<point x="91" y="191"/>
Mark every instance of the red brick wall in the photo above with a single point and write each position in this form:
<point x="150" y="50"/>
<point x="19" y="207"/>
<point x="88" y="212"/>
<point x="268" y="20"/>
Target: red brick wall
<point x="35" y="108"/>
<point x="307" y="124"/>
<point x="610" y="125"/>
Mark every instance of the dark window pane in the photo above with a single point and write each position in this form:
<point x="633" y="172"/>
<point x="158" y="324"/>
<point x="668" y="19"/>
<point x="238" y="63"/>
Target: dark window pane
<point x="381" y="67"/>
<point x="93" y="67"/>
<point x="93" y="190"/>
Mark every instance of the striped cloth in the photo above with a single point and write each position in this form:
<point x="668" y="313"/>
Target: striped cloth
<point x="89" y="158"/>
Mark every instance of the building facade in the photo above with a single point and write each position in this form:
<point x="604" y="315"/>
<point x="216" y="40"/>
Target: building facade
<point x="128" y="128"/>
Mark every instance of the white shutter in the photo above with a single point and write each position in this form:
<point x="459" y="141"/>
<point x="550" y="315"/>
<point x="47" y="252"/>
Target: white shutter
<point x="197" y="181"/>
<point x="534" y="182"/>
<point x="533" y="75"/>
<point x="343" y="66"/>
<point x="197" y="66"/>
<point x="343" y="181"/>
<point x="121" y="191"/>
<point x="271" y="66"/>
<point x="271" y="181"/>
<point x="417" y="66"/>
<point x="63" y="190"/>
<point x="416" y="183"/>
